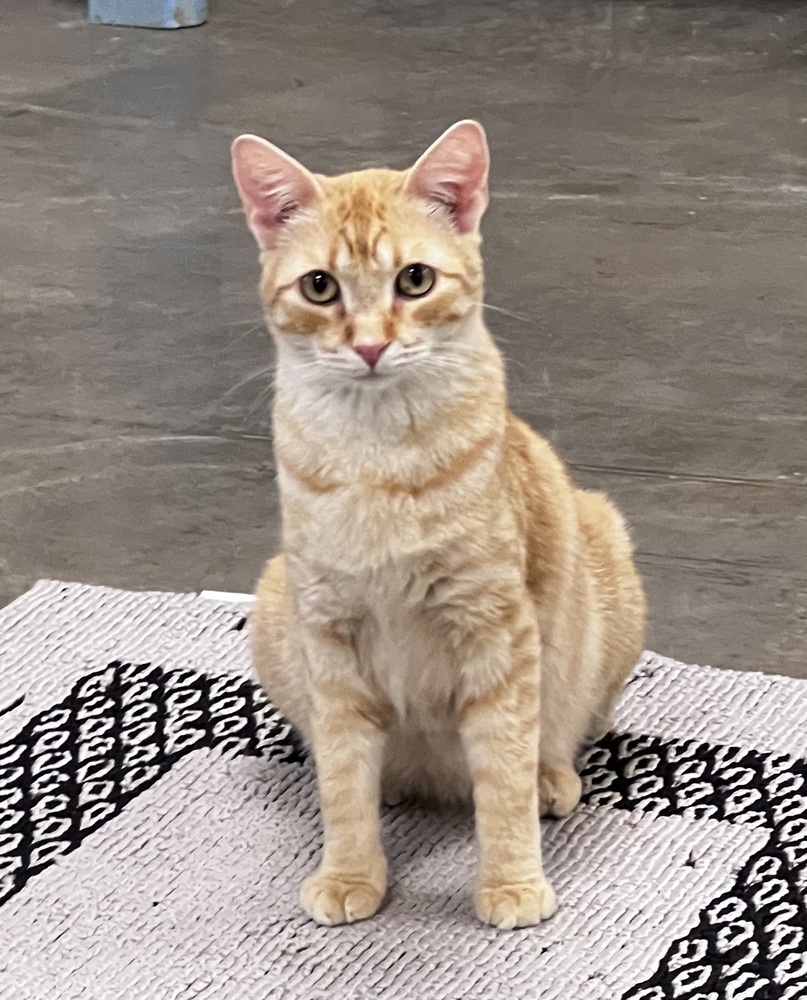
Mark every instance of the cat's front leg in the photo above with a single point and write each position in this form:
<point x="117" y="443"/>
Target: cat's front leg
<point x="500" y="730"/>
<point x="347" y="733"/>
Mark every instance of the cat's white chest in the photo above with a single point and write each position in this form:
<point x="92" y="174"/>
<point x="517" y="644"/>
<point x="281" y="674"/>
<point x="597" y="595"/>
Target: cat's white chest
<point x="401" y="650"/>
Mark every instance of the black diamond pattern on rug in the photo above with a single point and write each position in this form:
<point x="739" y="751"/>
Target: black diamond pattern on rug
<point x="751" y="942"/>
<point x="76" y="765"/>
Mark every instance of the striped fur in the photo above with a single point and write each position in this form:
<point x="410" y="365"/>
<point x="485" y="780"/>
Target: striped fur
<point x="450" y="618"/>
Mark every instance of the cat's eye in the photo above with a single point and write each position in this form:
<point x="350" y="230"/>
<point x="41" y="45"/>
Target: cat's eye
<point x="415" y="280"/>
<point x="319" y="287"/>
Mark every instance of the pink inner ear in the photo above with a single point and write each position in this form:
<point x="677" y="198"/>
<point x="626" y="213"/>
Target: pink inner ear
<point x="273" y="187"/>
<point x="453" y="173"/>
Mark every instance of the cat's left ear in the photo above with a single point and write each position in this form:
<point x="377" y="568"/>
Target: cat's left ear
<point x="453" y="174"/>
<point x="274" y="188"/>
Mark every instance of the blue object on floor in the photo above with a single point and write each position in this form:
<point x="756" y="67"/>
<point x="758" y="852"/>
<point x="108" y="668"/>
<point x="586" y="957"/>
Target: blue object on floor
<point x="149" y="13"/>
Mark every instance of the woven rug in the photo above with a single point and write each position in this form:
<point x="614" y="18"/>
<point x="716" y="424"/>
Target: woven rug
<point x="157" y="817"/>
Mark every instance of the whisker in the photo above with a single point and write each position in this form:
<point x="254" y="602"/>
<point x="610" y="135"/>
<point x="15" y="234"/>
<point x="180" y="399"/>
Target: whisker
<point x="507" y="312"/>
<point x="260" y="373"/>
<point x="261" y="402"/>
<point x="453" y="345"/>
<point x="254" y="327"/>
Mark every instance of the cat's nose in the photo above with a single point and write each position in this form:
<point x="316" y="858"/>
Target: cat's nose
<point x="370" y="352"/>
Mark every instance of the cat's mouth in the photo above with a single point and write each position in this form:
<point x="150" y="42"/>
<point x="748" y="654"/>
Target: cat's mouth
<point x="376" y="371"/>
<point x="373" y="375"/>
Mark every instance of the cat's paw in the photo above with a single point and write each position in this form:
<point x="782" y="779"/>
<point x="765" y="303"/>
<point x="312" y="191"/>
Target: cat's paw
<point x="559" y="790"/>
<point x="519" y="904"/>
<point x="333" y="899"/>
<point x="391" y="794"/>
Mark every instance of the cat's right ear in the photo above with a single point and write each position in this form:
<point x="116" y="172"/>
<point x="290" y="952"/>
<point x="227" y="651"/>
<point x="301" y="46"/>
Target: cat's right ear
<point x="273" y="187"/>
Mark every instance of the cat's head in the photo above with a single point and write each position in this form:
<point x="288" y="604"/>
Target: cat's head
<point x="373" y="276"/>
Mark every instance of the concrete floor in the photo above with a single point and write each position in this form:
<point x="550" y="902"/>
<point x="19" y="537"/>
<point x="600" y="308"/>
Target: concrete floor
<point x="645" y="248"/>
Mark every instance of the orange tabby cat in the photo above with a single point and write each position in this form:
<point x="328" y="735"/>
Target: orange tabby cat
<point x="451" y="617"/>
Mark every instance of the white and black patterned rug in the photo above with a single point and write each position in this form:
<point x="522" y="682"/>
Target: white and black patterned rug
<point x="157" y="816"/>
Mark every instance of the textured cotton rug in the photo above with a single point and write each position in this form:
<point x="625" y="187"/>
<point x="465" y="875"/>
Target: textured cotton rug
<point x="157" y="817"/>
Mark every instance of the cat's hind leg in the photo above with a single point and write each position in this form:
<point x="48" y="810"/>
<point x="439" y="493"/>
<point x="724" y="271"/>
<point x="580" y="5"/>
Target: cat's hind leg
<point x="565" y="713"/>
<point x="559" y="790"/>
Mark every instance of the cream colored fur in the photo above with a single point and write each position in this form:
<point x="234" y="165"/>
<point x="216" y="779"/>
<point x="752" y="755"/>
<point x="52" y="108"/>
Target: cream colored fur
<point x="451" y="618"/>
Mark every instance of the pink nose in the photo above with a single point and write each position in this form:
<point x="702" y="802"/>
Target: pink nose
<point x="370" y="352"/>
